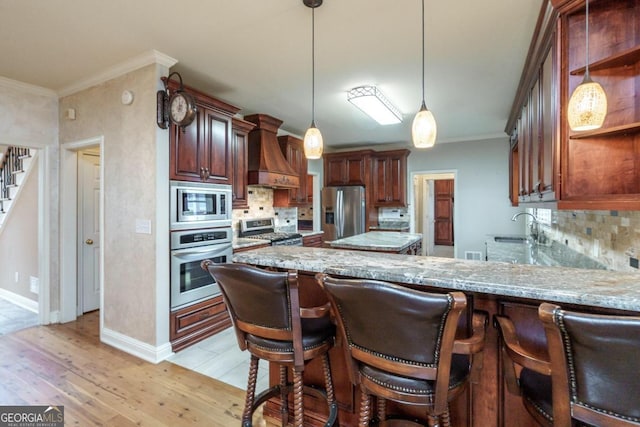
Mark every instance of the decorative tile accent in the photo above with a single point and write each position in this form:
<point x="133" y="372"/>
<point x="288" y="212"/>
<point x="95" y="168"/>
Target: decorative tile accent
<point x="610" y="237"/>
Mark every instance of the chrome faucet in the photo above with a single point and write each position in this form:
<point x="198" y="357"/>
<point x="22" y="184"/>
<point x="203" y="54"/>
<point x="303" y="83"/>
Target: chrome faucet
<point x="535" y="230"/>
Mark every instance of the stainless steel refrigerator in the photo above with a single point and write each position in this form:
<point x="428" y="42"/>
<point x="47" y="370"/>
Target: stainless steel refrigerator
<point x="343" y="212"/>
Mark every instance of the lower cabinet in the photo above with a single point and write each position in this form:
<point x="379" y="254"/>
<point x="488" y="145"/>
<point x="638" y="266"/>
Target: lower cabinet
<point x="315" y="240"/>
<point x="197" y="322"/>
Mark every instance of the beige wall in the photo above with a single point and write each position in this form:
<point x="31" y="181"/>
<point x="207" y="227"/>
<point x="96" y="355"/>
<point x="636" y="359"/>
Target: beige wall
<point x="19" y="239"/>
<point x="131" y="144"/>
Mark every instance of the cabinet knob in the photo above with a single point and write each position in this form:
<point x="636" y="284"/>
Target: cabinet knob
<point x="89" y="242"/>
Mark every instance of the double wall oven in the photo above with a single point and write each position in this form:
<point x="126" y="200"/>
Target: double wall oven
<point x="200" y="221"/>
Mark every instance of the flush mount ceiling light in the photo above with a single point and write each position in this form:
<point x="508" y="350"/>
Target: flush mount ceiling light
<point x="374" y="104"/>
<point x="423" y="129"/>
<point x="588" y="103"/>
<point x="313" y="143"/>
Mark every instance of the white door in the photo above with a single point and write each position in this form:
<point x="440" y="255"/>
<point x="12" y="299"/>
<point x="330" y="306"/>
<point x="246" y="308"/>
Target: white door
<point x="88" y="231"/>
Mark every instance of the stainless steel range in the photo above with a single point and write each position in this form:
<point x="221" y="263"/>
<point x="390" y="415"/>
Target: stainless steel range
<point x="264" y="228"/>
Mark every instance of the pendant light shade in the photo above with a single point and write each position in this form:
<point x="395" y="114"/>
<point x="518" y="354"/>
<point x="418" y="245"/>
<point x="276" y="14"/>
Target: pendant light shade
<point x="587" y="106"/>
<point x="424" y="129"/>
<point x="588" y="103"/>
<point x="313" y="144"/>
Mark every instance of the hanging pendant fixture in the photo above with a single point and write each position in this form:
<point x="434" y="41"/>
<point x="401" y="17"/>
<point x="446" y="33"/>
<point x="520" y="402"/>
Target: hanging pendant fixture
<point x="588" y="103"/>
<point x="424" y="129"/>
<point x="313" y="144"/>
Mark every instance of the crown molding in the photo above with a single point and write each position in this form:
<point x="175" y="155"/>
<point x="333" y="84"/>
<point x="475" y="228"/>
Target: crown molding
<point x="27" y="88"/>
<point x="135" y="63"/>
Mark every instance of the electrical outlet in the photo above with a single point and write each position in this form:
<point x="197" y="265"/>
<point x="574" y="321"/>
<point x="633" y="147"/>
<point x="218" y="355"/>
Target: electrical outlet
<point x="17" y="277"/>
<point x="34" y="284"/>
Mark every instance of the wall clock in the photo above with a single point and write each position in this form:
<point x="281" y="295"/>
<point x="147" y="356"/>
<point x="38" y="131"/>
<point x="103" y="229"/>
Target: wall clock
<point x="178" y="108"/>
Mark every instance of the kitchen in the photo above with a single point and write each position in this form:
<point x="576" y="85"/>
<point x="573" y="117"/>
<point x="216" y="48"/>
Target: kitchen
<point x="135" y="148"/>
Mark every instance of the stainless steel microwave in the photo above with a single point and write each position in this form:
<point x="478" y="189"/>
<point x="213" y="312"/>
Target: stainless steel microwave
<point x="199" y="205"/>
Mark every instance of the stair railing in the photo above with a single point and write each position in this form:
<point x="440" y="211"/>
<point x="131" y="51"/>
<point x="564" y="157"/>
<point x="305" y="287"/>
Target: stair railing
<point x="10" y="166"/>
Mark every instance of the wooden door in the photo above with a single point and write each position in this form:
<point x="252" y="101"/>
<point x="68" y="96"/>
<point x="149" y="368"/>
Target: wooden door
<point x="444" y="212"/>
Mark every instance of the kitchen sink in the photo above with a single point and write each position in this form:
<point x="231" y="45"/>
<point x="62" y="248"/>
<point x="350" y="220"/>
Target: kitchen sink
<point x="510" y="239"/>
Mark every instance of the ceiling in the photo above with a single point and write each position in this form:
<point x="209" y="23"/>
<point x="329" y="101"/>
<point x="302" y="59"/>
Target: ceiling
<point x="256" y="54"/>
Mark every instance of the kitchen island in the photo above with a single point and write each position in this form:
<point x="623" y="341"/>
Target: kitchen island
<point x="382" y="241"/>
<point x="515" y="290"/>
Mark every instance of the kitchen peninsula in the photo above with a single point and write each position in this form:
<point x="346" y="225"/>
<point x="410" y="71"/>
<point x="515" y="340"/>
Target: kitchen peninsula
<point x="496" y="287"/>
<point x="382" y="241"/>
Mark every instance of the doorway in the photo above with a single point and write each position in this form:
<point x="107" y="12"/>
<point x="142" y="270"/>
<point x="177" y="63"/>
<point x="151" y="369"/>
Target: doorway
<point x="434" y="212"/>
<point x="89" y="246"/>
<point x="79" y="258"/>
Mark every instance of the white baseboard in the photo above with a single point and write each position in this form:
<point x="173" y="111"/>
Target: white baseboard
<point x="24" y="302"/>
<point x="135" y="347"/>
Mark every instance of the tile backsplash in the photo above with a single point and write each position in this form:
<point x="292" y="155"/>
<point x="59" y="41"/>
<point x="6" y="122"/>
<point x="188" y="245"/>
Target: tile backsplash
<point x="610" y="237"/>
<point x="260" y="200"/>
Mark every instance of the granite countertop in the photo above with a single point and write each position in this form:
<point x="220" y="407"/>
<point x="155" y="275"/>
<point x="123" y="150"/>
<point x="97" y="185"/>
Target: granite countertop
<point x="391" y="226"/>
<point x="525" y="252"/>
<point x="243" y="242"/>
<point x="377" y="241"/>
<point x="596" y="288"/>
<point x="306" y="233"/>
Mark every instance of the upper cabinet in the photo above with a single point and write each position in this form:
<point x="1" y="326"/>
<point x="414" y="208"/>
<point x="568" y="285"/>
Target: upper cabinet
<point x="347" y="168"/>
<point x="202" y="151"/>
<point x="601" y="168"/>
<point x="389" y="178"/>
<point x="597" y="169"/>
<point x="533" y="122"/>
<point x="239" y="156"/>
<point x="293" y="150"/>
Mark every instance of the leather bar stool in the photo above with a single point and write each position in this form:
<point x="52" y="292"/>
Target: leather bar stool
<point x="400" y="344"/>
<point x="526" y="374"/>
<point x="591" y="374"/>
<point x="595" y="367"/>
<point x="270" y="324"/>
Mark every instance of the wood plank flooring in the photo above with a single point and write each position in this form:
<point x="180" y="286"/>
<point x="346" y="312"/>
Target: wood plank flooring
<point x="99" y="385"/>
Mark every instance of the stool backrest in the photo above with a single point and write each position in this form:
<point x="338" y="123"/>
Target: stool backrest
<point x="595" y="366"/>
<point x="258" y="301"/>
<point x="395" y="328"/>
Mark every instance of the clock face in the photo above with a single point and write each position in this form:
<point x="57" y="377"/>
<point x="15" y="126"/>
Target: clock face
<point x="178" y="108"/>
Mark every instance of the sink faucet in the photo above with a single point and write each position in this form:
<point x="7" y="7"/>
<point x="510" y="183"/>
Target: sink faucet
<point x="535" y="231"/>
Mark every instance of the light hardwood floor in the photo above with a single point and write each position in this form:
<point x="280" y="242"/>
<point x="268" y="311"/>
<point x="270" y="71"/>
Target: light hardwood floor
<point x="99" y="385"/>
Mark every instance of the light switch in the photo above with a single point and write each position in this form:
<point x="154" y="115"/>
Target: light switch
<point x="143" y="226"/>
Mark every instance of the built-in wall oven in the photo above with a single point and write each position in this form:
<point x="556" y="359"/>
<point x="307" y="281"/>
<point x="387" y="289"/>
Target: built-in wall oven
<point x="189" y="282"/>
<point x="199" y="205"/>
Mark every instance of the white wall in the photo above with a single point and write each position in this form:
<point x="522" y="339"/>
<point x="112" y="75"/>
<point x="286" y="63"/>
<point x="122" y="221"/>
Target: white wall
<point x="482" y="188"/>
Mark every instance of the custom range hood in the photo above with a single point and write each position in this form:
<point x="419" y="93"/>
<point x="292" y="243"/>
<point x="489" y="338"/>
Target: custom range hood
<point x="266" y="164"/>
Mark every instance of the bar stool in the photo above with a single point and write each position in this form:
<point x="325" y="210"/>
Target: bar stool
<point x="526" y="374"/>
<point x="400" y="344"/>
<point x="595" y="367"/>
<point x="270" y="324"/>
<point x="592" y="373"/>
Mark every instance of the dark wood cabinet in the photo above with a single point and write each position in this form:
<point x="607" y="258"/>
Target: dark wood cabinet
<point x="314" y="240"/>
<point x="601" y="168"/>
<point x="598" y="169"/>
<point x="240" y="129"/>
<point x="202" y="151"/>
<point x="443" y="212"/>
<point x="389" y="176"/>
<point x="197" y="322"/>
<point x="347" y="168"/>
<point x="293" y="150"/>
<point x="534" y="161"/>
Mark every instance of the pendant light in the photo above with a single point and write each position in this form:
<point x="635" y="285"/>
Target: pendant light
<point x="588" y="103"/>
<point x="424" y="129"/>
<point x="313" y="138"/>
